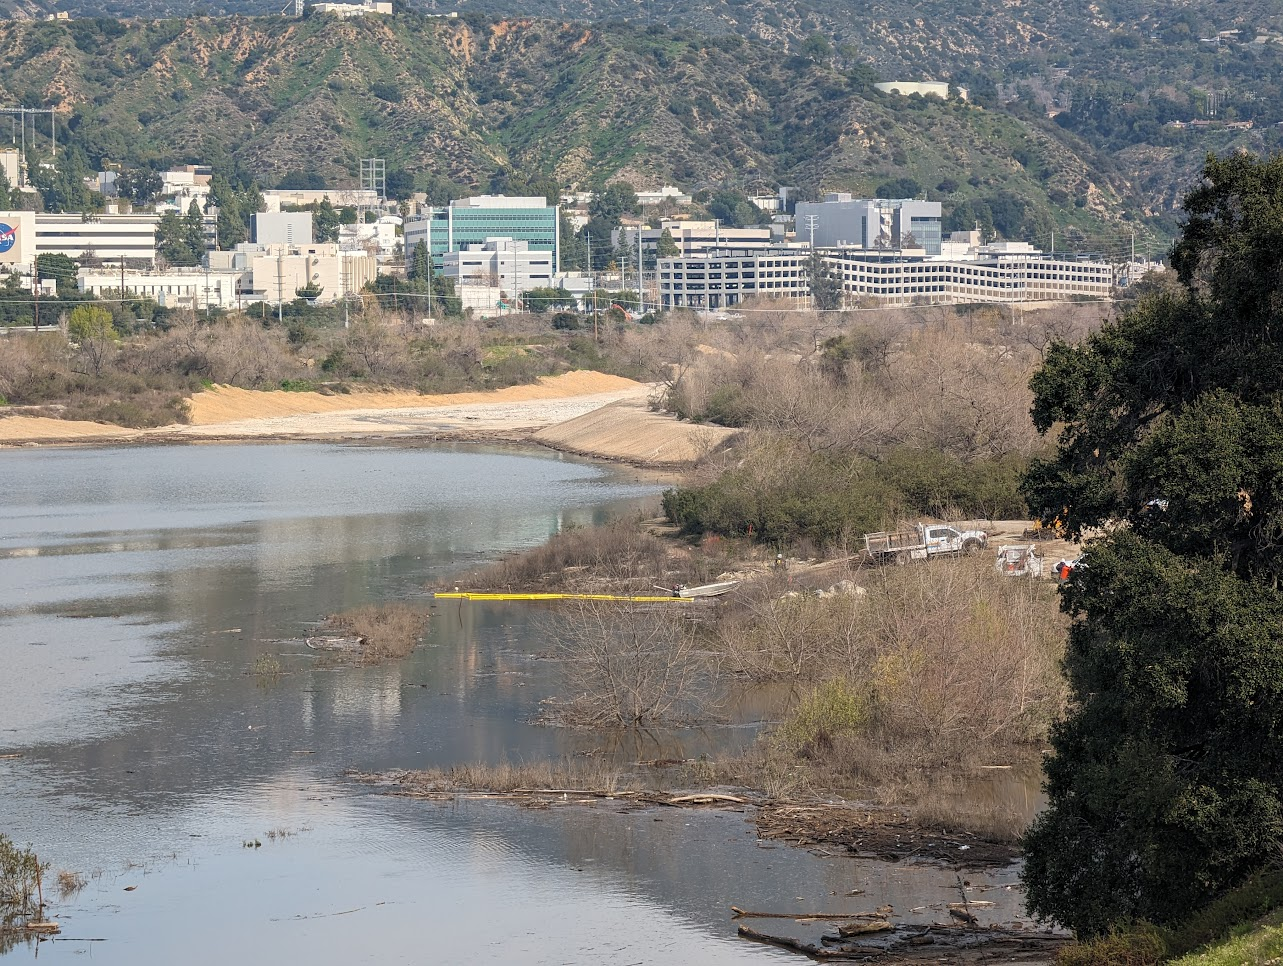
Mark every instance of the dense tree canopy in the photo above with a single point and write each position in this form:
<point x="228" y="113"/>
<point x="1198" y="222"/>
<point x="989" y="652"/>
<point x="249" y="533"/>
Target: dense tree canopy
<point x="1166" y="786"/>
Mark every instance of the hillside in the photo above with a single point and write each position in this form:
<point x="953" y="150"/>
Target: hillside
<point x="459" y="100"/>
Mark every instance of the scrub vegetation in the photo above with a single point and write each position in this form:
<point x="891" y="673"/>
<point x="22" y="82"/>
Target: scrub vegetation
<point x="140" y="376"/>
<point x="385" y="632"/>
<point x="22" y="898"/>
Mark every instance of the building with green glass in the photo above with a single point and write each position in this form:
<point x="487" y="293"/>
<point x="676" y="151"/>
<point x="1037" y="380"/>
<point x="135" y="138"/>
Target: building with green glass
<point x="474" y="221"/>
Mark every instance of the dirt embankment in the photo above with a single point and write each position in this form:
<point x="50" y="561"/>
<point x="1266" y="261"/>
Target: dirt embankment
<point x="589" y="413"/>
<point x="627" y="430"/>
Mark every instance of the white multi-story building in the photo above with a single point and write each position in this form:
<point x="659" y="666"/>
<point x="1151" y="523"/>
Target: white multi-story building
<point x="187" y="184"/>
<point x="250" y="273"/>
<point x="108" y="237"/>
<point x="345" y="10"/>
<point x="282" y="198"/>
<point x="728" y="277"/>
<point x="183" y="288"/>
<point x="668" y="193"/>
<point x="510" y="266"/>
<point x="1003" y="272"/>
<point x="279" y="272"/>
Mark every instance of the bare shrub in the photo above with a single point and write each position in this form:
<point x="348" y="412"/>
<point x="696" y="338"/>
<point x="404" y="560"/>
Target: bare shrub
<point x="630" y="665"/>
<point x="959" y="656"/>
<point x="386" y="631"/>
<point x="32" y="367"/>
<point x="378" y="351"/>
<point x="236" y="352"/>
<point x="772" y="633"/>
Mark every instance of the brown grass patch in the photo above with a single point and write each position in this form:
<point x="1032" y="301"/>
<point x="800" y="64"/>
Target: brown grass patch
<point x="70" y="883"/>
<point x="387" y="632"/>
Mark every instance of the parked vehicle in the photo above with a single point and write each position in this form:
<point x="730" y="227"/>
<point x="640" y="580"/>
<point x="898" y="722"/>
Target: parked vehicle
<point x="1022" y="560"/>
<point x="922" y="541"/>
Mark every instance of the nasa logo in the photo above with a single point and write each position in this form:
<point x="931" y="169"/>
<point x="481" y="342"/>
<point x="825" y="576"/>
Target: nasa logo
<point x="8" y="237"/>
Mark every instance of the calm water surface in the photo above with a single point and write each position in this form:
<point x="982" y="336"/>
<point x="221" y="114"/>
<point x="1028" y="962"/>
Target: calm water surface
<point x="138" y="586"/>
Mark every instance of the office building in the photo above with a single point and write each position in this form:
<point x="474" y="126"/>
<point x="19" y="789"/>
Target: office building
<point x="840" y="221"/>
<point x="474" y="221"/>
<point x="715" y="280"/>
<point x="283" y="228"/>
<point x="695" y="237"/>
<point x="1001" y="272"/>
<point x="504" y="263"/>
<point x="107" y="237"/>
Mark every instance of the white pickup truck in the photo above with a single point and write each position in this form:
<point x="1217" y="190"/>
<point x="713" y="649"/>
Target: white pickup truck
<point x="922" y="541"/>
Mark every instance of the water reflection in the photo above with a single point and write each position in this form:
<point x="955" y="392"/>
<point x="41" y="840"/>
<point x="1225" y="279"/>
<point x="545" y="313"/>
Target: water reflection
<point x="138" y="586"/>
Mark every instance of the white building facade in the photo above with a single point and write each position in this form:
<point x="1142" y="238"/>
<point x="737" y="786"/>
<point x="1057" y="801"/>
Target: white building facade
<point x="250" y="273"/>
<point x="717" y="280"/>
<point x="1006" y="272"/>
<point x="695" y="237"/>
<point x="509" y="265"/>
<point x="109" y="237"/>
<point x="182" y="288"/>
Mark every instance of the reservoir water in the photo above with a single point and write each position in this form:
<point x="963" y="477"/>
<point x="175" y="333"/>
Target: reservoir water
<point x="138" y="586"/>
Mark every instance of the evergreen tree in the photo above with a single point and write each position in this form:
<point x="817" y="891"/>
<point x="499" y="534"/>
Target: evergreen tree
<point x="574" y="250"/>
<point x="420" y="264"/>
<point x="826" y="287"/>
<point x="1166" y="786"/>
<point x="325" y="222"/>
<point x="194" y="232"/>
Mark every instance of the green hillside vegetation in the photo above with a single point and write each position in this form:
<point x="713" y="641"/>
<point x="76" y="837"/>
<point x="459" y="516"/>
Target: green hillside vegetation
<point x="452" y="103"/>
<point x="1123" y="75"/>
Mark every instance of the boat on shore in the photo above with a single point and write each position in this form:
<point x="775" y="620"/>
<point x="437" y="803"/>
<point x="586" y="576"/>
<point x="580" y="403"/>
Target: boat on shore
<point x="705" y="590"/>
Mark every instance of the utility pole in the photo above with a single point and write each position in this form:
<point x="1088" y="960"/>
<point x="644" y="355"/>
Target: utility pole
<point x="280" y="289"/>
<point x="641" y="299"/>
<point x="593" y="286"/>
<point x="811" y="222"/>
<point x="35" y="277"/>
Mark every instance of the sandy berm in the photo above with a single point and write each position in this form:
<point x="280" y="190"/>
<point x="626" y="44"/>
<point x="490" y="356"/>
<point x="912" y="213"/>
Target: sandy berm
<point x="590" y="413"/>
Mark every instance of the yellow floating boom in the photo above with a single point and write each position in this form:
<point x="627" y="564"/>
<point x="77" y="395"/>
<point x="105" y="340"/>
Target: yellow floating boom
<point x="470" y="595"/>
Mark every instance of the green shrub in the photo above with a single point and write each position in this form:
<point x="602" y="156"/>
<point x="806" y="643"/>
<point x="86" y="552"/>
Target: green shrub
<point x="566" y="321"/>
<point x="297" y="385"/>
<point x="728" y="406"/>
<point x="826" y="498"/>
<point x="832" y="709"/>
